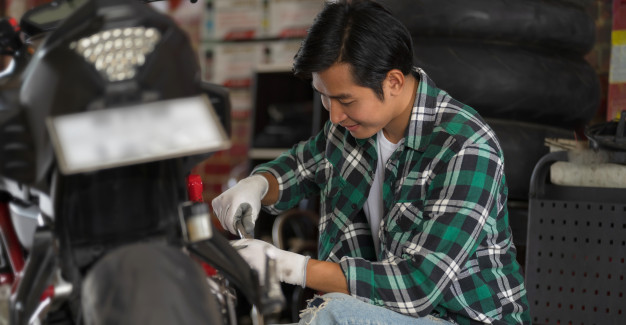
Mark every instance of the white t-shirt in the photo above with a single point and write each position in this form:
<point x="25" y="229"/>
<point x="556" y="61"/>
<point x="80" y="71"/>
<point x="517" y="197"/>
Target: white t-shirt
<point x="373" y="207"/>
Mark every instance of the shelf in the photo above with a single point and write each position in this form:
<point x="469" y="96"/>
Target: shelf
<point x="265" y="153"/>
<point x="273" y="67"/>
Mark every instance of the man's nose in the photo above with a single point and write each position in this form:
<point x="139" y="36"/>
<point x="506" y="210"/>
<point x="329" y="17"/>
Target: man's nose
<point x="336" y="113"/>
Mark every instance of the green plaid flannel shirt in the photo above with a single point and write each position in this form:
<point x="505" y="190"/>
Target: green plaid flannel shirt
<point x="445" y="241"/>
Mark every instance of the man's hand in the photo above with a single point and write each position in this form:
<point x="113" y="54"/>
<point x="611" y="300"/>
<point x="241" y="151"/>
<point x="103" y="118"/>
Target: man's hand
<point x="290" y="267"/>
<point x="241" y="202"/>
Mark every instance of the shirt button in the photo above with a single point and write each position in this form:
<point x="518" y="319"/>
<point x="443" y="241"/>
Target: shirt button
<point x="353" y="206"/>
<point x="332" y="240"/>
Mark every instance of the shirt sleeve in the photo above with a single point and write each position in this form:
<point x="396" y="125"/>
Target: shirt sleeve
<point x="445" y="229"/>
<point x="295" y="171"/>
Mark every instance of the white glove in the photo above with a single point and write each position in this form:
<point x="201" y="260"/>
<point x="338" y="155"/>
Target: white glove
<point x="241" y="202"/>
<point x="291" y="267"/>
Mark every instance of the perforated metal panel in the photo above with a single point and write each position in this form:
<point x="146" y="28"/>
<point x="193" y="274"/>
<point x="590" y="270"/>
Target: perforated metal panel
<point x="576" y="256"/>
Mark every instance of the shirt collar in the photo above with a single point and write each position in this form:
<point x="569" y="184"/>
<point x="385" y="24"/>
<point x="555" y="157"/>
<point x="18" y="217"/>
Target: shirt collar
<point x="424" y="112"/>
<point x="423" y="117"/>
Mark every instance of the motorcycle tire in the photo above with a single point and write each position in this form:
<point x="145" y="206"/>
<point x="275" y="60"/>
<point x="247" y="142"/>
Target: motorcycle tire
<point x="148" y="284"/>
<point x="518" y="221"/>
<point x="555" y="25"/>
<point x="523" y="144"/>
<point x="511" y="82"/>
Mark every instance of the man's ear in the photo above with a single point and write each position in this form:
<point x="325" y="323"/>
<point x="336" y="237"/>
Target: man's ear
<point x="394" y="82"/>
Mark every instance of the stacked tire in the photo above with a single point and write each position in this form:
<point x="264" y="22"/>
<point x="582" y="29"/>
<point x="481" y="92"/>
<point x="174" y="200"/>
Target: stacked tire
<point x="520" y="64"/>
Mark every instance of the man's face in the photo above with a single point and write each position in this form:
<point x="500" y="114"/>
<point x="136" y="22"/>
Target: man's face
<point x="354" y="107"/>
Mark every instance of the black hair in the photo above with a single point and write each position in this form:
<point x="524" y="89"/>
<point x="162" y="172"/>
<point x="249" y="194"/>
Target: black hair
<point x="361" y="33"/>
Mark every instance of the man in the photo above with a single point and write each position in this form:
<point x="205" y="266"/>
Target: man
<point x="414" y="223"/>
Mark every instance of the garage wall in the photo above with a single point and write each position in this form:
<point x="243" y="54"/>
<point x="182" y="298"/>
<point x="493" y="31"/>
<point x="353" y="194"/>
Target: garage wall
<point x="230" y="165"/>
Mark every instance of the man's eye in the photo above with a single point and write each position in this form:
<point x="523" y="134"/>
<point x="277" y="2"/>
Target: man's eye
<point x="346" y="103"/>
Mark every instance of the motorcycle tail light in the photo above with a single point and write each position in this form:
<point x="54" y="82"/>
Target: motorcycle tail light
<point x="117" y="53"/>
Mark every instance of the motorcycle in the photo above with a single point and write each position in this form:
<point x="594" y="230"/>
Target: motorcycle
<point x="102" y="116"/>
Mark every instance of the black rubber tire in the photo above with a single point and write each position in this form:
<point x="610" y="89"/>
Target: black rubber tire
<point x="581" y="4"/>
<point x="523" y="144"/>
<point x="518" y="221"/>
<point x="513" y="82"/>
<point x="148" y="284"/>
<point x="555" y="25"/>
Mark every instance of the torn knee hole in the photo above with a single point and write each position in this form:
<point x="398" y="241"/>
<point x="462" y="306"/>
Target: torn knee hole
<point x="313" y="306"/>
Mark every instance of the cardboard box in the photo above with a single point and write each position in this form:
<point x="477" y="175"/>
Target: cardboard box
<point x="189" y="17"/>
<point x="282" y="52"/>
<point x="233" y="19"/>
<point x="231" y="64"/>
<point x="241" y="102"/>
<point x="291" y="18"/>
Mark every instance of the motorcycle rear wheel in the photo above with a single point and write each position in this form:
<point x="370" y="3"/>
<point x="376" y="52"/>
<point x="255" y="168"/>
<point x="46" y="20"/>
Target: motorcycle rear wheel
<point x="148" y="284"/>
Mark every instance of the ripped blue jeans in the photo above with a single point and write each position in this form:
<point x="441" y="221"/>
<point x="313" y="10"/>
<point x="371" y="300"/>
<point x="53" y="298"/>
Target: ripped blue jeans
<point x="342" y="309"/>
